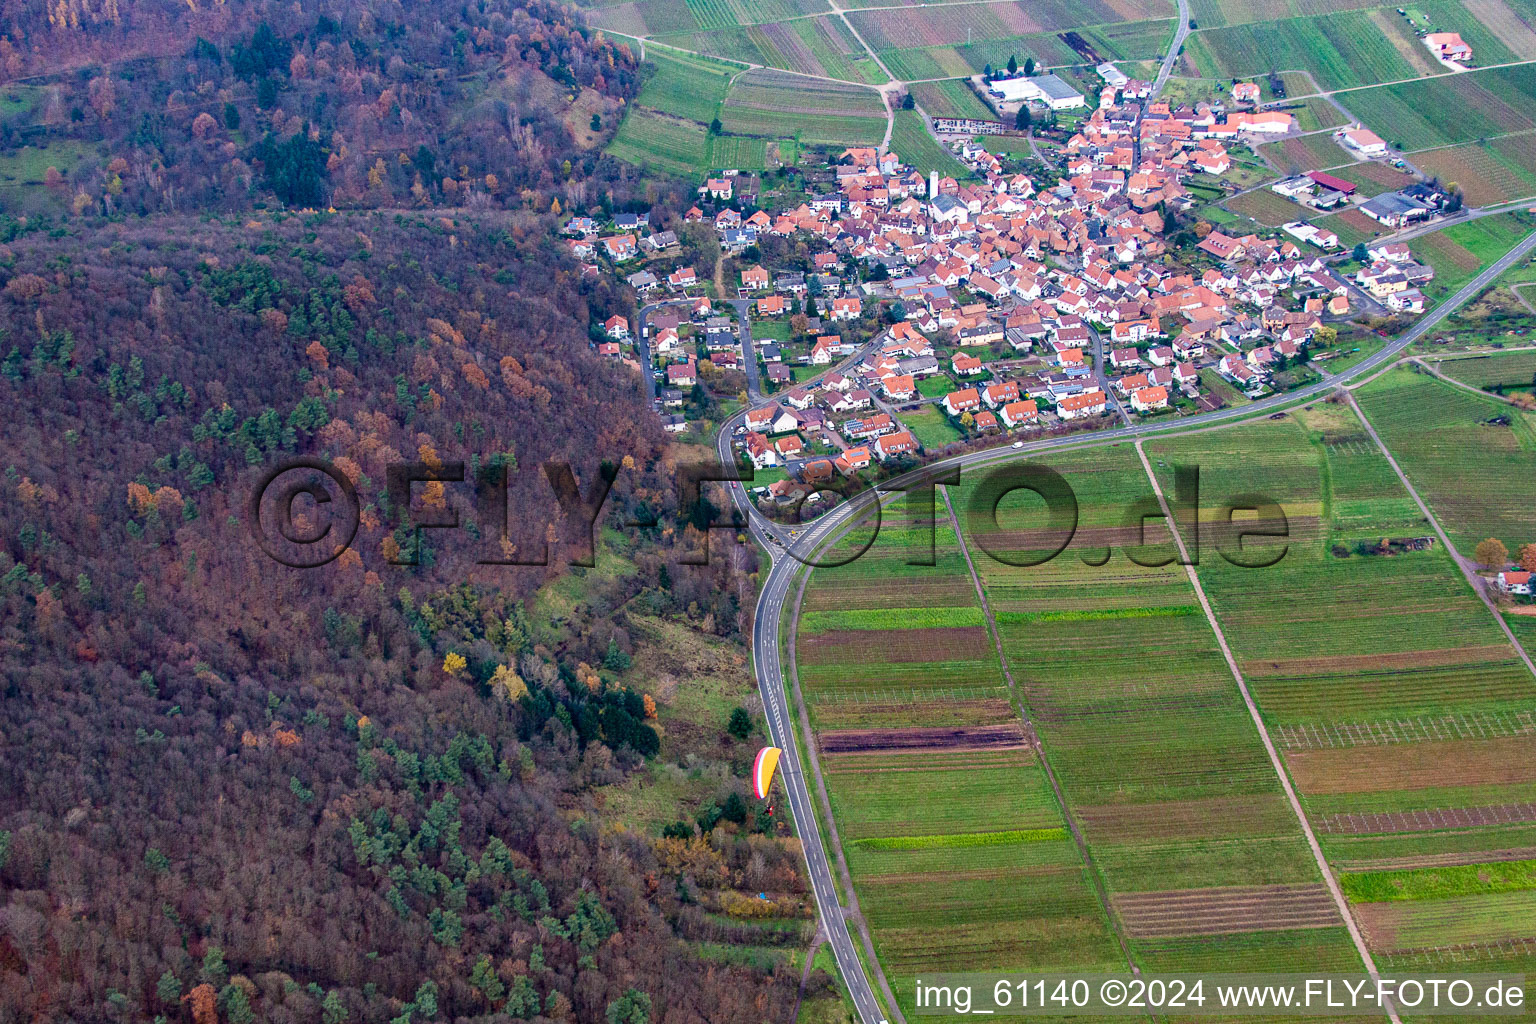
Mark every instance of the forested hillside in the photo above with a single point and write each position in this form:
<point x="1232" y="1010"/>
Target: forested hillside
<point x="158" y="105"/>
<point x="235" y="791"/>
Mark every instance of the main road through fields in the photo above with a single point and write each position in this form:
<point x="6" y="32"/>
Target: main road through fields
<point x="787" y="547"/>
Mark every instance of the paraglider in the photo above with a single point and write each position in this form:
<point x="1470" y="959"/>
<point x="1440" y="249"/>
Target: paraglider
<point x="762" y="770"/>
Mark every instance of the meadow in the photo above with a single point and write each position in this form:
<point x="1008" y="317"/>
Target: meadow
<point x="928" y="424"/>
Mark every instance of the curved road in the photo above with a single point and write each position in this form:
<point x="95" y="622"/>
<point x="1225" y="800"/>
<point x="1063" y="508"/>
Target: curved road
<point x="787" y="546"/>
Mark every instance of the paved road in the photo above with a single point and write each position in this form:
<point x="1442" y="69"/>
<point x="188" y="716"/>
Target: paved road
<point x="767" y="620"/>
<point x="748" y="353"/>
<point x="1172" y="57"/>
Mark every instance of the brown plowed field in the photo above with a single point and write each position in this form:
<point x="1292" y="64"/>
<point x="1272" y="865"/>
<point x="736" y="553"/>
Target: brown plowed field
<point x="1226" y="910"/>
<point x="900" y="741"/>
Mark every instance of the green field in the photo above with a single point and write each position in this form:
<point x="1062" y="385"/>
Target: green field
<point x="667" y="126"/>
<point x="953" y="98"/>
<point x="919" y="149"/>
<point x="931" y="427"/>
<point x="1269" y="208"/>
<point x="823" y="47"/>
<point x="1306" y="153"/>
<point x="1460" y="251"/>
<point x="1451" y="108"/>
<point x="1114" y="41"/>
<point x="960" y="857"/>
<point x="1515" y="370"/>
<point x="1473" y="470"/>
<point x="1143" y="725"/>
<point x="1382" y="707"/>
<point x="1488" y="173"/>
<point x="659" y="17"/>
<point x="1346" y="49"/>
<point x="775" y="105"/>
<point x="671" y="144"/>
<point x="27" y="166"/>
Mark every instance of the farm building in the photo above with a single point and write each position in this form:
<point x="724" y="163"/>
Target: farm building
<point x="1365" y="142"/>
<point x="1332" y="183"/>
<point x="1047" y="89"/>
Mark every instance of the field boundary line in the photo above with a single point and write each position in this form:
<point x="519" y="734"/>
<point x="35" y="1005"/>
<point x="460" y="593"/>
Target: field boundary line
<point x="1032" y="737"/>
<point x="834" y="839"/>
<point x="1472" y="579"/>
<point x="1479" y="392"/>
<point x="1258" y="722"/>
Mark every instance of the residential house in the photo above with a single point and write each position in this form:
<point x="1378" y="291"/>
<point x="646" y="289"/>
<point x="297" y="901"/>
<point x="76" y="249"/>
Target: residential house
<point x="1514" y="582"/>
<point x="957" y="402"/>
<point x="847" y="308"/>
<point x="965" y="365"/>
<point x="1000" y="393"/>
<point x="1018" y="414"/>
<point x="1089" y="403"/>
<point x="892" y="445"/>
<point x="1148" y="399"/>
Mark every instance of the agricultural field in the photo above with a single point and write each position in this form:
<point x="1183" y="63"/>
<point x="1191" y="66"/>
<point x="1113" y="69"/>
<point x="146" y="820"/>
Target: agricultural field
<point x="1487" y="172"/>
<point x="675" y="145"/>
<point x="1219" y="13"/>
<point x="940" y="25"/>
<point x="660" y="17"/>
<point x="1351" y="226"/>
<point x="1372" y="179"/>
<point x="1406" y="724"/>
<point x="1458" y="252"/>
<point x="919" y="149"/>
<point x="1139" y="717"/>
<point x="1449" y="109"/>
<point x="1302" y="153"/>
<point x="1268" y="208"/>
<point x="1469" y="457"/>
<point x="1350" y="48"/>
<point x="686" y="85"/>
<point x="773" y="105"/>
<point x="1494" y="371"/>
<point x="810" y="46"/>
<point x="953" y="98"/>
<point x="667" y="126"/>
<point x="955" y="842"/>
<point x="1312" y="113"/>
<point x="1112" y="41"/>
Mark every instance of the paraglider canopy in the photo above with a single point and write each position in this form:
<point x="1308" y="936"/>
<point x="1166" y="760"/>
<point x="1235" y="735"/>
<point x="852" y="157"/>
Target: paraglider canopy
<point x="762" y="770"/>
